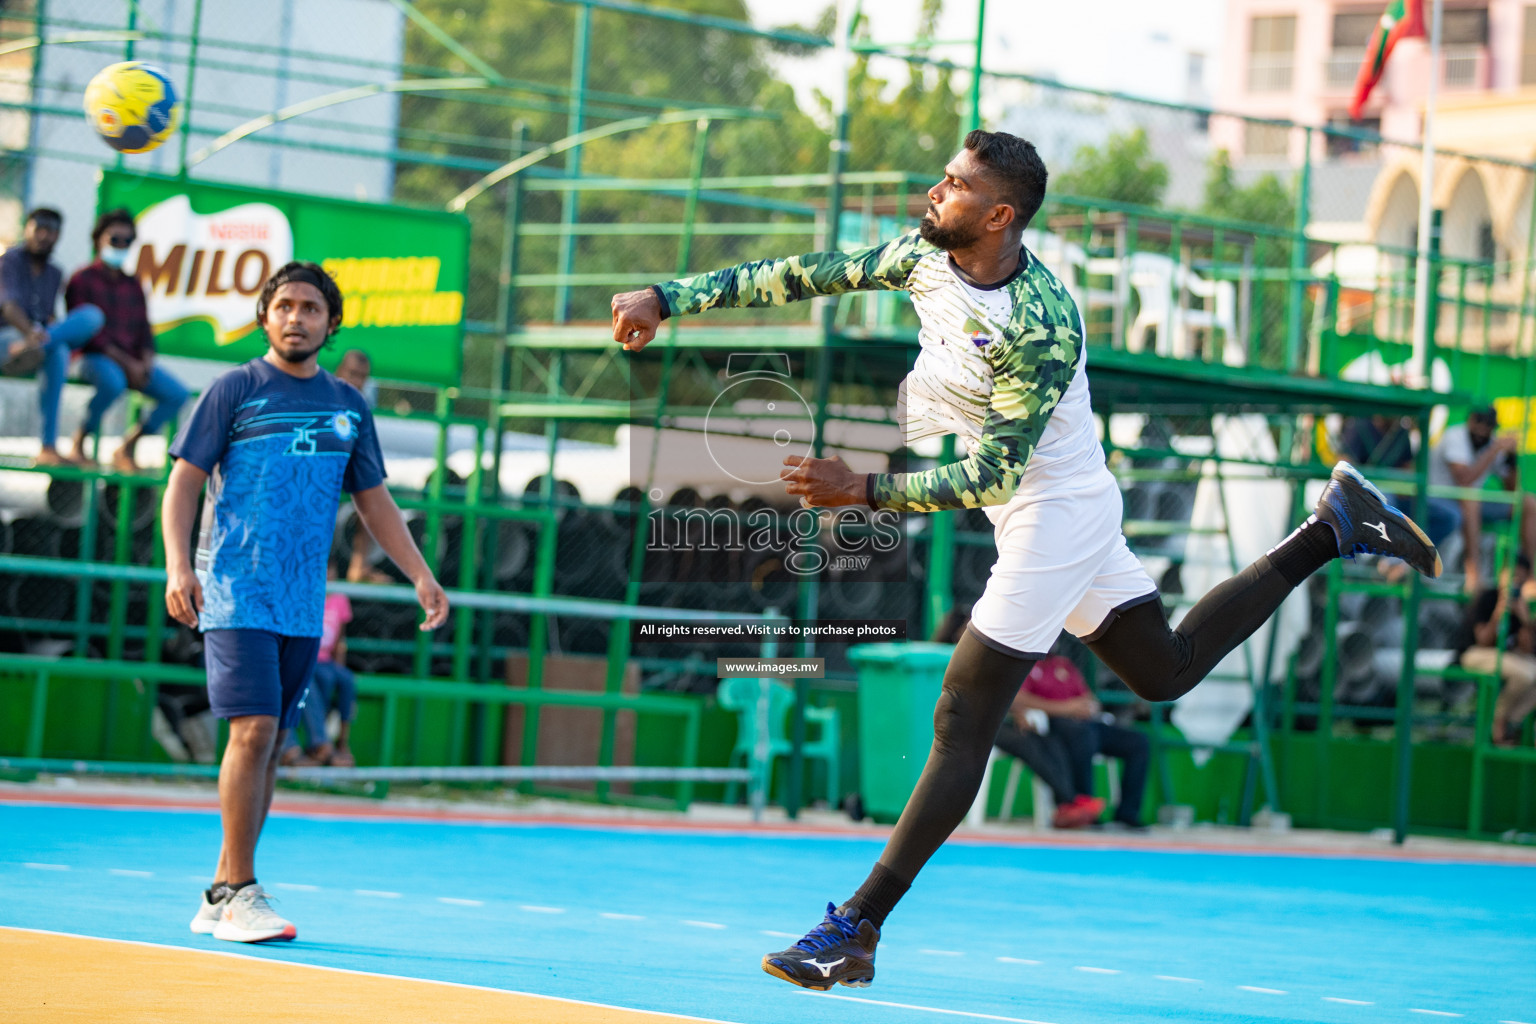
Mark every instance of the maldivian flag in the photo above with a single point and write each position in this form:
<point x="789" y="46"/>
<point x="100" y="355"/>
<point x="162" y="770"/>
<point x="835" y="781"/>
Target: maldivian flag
<point x="1401" y="19"/>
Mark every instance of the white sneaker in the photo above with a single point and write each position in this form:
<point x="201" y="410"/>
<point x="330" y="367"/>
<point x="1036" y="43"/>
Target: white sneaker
<point x="248" y="917"/>
<point x="209" y="913"/>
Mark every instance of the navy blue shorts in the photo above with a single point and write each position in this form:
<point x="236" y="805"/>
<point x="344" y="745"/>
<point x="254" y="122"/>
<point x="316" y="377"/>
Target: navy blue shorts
<point x="256" y="672"/>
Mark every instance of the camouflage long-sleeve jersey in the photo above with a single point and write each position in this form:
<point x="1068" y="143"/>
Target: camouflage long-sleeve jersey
<point x="1000" y="366"/>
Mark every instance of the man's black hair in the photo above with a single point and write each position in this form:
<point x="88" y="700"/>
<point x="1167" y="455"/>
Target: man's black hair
<point x="121" y="215"/>
<point x="45" y="213"/>
<point x="301" y="272"/>
<point x="1484" y="412"/>
<point x="1013" y="168"/>
<point x="1522" y="562"/>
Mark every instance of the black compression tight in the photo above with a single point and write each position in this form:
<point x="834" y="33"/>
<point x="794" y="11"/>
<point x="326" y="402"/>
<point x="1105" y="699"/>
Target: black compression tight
<point x="1157" y="662"/>
<point x="979" y="685"/>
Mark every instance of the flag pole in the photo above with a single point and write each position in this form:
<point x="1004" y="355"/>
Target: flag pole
<point x="1422" y="290"/>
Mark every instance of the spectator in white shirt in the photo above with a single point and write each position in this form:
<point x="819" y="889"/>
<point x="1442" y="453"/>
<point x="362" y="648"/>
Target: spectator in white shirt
<point x="1467" y="455"/>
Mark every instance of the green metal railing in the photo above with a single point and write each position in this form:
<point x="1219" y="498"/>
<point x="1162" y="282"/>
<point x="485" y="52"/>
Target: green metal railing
<point x="566" y="379"/>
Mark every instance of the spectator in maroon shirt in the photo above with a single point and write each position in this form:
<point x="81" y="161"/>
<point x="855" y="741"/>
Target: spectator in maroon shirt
<point x="122" y="354"/>
<point x="1056" y="686"/>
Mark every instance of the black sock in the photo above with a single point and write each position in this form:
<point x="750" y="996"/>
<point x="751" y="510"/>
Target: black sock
<point x="213" y="895"/>
<point x="1311" y="547"/>
<point x="235" y="887"/>
<point x="879" y="894"/>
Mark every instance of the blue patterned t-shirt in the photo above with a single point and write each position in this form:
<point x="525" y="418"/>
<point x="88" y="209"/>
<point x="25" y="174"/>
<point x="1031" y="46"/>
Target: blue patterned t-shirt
<point x="278" y="451"/>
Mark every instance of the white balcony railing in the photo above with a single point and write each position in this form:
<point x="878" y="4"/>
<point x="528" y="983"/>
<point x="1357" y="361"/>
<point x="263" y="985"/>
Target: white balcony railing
<point x="1270" y="72"/>
<point x="1342" y="66"/>
<point x="1466" y="67"/>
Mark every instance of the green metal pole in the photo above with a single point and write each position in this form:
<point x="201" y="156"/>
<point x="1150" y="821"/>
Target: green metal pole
<point x="506" y="315"/>
<point x="544" y="567"/>
<point x="464" y="618"/>
<point x="569" y="201"/>
<point x="619" y="633"/>
<point x="133" y="24"/>
<point x="85" y="587"/>
<point x="1404" y="717"/>
<point x="34" y="76"/>
<point x="422" y="662"/>
<point x="38" y="723"/>
<point x="1293" y="315"/>
<point x="121" y="555"/>
<point x="1327" y="681"/>
<point x="186" y="107"/>
<point x="975" y="115"/>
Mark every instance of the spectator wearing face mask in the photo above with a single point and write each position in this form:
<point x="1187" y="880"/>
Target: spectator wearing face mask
<point x="122" y="354"/>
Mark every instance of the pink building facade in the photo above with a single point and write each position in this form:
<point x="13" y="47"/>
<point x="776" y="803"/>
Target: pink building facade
<point x="1297" y="60"/>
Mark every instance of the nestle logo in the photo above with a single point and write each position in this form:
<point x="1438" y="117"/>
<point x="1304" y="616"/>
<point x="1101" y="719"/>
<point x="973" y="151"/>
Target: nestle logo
<point x="238" y="231"/>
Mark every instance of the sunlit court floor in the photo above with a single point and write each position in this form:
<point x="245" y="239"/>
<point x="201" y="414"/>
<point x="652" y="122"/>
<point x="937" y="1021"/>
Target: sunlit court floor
<point x="455" y="913"/>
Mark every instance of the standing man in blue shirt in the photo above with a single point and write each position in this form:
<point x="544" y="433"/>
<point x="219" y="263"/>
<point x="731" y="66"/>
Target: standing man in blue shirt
<point x="277" y="440"/>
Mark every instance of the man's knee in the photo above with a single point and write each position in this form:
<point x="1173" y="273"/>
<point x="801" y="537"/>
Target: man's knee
<point x="253" y="735"/>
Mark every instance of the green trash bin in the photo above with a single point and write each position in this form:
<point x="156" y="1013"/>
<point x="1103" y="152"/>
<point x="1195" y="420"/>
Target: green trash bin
<point x="898" y="686"/>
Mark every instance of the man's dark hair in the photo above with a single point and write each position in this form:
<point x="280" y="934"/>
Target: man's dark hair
<point x="121" y="215"/>
<point x="1484" y="412"/>
<point x="301" y="272"/>
<point x="1522" y="562"/>
<point x="357" y="353"/>
<point x="45" y="213"/>
<point x="1013" y="168"/>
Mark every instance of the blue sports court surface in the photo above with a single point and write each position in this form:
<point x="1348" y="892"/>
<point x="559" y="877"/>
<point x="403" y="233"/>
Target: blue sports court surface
<point x="672" y="917"/>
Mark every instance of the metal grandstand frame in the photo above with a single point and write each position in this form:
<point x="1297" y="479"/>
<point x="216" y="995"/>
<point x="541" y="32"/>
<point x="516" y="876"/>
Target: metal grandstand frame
<point x="566" y="377"/>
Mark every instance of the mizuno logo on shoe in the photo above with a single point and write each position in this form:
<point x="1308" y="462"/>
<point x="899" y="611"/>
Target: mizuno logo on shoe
<point x="1381" y="528"/>
<point x="825" y="969"/>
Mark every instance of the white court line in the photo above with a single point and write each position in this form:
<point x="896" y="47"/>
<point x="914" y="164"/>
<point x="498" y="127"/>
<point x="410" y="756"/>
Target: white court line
<point x="1347" y="1002"/>
<point x="541" y="910"/>
<point x="786" y="935"/>
<point x="1175" y="977"/>
<point x="940" y="952"/>
<point x="705" y="924"/>
<point x="621" y="917"/>
<point x="1512" y="1022"/>
<point x="377" y="892"/>
<point x="1437" y="1013"/>
<point x="130" y="873"/>
<point x="1096" y="970"/>
<point x="929" y="1009"/>
<point x="296" y="886"/>
<point x="455" y="901"/>
<point x="1015" y="960"/>
<point x="45" y="867"/>
<point x="194" y="950"/>
<point x="1266" y="991"/>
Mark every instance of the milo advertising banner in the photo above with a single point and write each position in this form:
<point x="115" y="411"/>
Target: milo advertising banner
<point x="203" y="251"/>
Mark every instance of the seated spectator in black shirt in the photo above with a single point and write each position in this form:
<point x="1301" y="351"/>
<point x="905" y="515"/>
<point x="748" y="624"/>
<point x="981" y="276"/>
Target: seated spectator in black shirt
<point x="1388" y="441"/>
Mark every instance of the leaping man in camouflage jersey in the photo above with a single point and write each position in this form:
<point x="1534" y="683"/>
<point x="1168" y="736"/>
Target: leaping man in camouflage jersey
<point x="1003" y="366"/>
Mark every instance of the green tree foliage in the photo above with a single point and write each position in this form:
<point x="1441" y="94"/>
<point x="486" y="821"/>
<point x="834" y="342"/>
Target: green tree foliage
<point x="1267" y="200"/>
<point x="1122" y="170"/>
<point x="913" y="128"/>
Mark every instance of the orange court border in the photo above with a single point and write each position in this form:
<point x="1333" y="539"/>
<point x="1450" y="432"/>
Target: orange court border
<point x="51" y="977"/>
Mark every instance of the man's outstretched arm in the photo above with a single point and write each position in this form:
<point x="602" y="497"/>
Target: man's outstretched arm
<point x="775" y="282"/>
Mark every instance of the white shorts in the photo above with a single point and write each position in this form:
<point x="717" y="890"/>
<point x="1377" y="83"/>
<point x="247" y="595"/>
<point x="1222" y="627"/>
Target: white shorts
<point x="1062" y="563"/>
